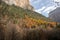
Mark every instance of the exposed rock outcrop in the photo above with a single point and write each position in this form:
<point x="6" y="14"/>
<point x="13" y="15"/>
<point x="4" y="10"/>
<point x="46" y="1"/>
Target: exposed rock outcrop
<point x="21" y="3"/>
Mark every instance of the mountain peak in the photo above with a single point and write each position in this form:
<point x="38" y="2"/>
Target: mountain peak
<point x="55" y="14"/>
<point x="21" y="3"/>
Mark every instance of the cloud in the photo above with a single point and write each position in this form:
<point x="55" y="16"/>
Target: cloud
<point x="48" y="9"/>
<point x="35" y="1"/>
<point x="31" y="0"/>
<point x="45" y="10"/>
<point x="57" y="0"/>
<point x="44" y="6"/>
<point x="41" y="9"/>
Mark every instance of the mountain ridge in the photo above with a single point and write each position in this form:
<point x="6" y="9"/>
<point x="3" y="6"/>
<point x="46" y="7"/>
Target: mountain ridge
<point x="25" y="4"/>
<point x="55" y="15"/>
<point x="14" y="15"/>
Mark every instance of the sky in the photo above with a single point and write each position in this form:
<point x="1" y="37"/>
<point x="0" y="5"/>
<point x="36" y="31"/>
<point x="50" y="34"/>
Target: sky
<point x="44" y="6"/>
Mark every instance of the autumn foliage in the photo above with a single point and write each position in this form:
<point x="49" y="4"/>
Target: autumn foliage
<point x="29" y="22"/>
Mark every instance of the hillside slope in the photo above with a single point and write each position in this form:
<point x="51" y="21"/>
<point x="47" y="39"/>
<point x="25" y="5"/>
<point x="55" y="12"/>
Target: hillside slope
<point x="12" y="10"/>
<point x="24" y="18"/>
<point x="19" y="24"/>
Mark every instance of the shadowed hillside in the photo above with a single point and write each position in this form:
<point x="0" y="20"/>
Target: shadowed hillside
<point x="55" y="15"/>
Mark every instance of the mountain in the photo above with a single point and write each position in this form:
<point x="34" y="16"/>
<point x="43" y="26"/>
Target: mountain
<point x="17" y="23"/>
<point x="21" y="3"/>
<point x="55" y="14"/>
<point x="12" y="9"/>
<point x="16" y="16"/>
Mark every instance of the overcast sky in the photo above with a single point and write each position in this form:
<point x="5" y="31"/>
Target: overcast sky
<point x="44" y="6"/>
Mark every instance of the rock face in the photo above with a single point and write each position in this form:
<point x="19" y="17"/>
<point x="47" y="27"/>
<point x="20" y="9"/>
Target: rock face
<point x="55" y="15"/>
<point x="21" y="3"/>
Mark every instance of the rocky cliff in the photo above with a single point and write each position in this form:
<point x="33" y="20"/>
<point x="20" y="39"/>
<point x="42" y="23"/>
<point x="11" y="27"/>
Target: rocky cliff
<point x="21" y="3"/>
<point x="55" y="15"/>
